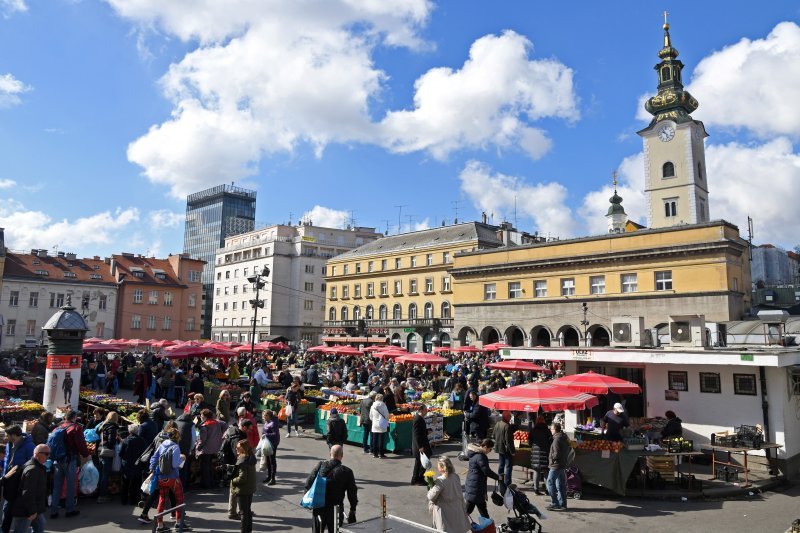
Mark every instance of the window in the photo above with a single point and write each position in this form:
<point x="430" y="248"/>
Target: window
<point x="668" y="170"/>
<point x="167" y="322"/>
<point x="489" y="291"/>
<point x="219" y="276"/>
<point x="152" y="298"/>
<point x="664" y="280"/>
<point x="332" y="314"/>
<point x="384" y="288"/>
<point x="412" y="286"/>
<point x="709" y="382"/>
<point x="57" y="299"/>
<point x="413" y="261"/>
<point x="568" y="287"/>
<point x="446" y="284"/>
<point x="429" y="259"/>
<point x="344" y="314"/>
<point x="195" y="276"/>
<point x="190" y="324"/>
<point x="136" y="321"/>
<point x="225" y="306"/>
<point x="357" y="290"/>
<point x="192" y="300"/>
<point x="323" y="287"/>
<point x="30" y="328"/>
<point x="345" y="291"/>
<point x="428" y="285"/>
<point x="514" y="290"/>
<point x="43" y="272"/>
<point x="13" y="299"/>
<point x="428" y="310"/>
<point x="397" y="312"/>
<point x="309" y="269"/>
<point x="234" y="305"/>
<point x="236" y="273"/>
<point x="151" y="322"/>
<point x="445" y="257"/>
<point x="370" y="266"/>
<point x="370" y="290"/>
<point x="68" y="274"/>
<point x="701" y="209"/>
<point x="333" y="293"/>
<point x="218" y="291"/>
<point x="308" y="286"/>
<point x="100" y="329"/>
<point x="383" y="264"/>
<point x="629" y="282"/>
<point x="216" y="306"/>
<point x="744" y="384"/>
<point x="235" y="289"/>
<point x="168" y="298"/>
<point x="370" y="311"/>
<point x="666" y="75"/>
<point x="95" y="276"/>
<point x="308" y="305"/>
<point x="358" y="268"/>
<point x="227" y="274"/>
<point x="225" y="290"/>
<point x="699" y="171"/>
<point x="397" y="263"/>
<point x="412" y="311"/>
<point x="678" y="381"/>
<point x="245" y="270"/>
<point x="333" y="270"/>
<point x="102" y="302"/>
<point x="671" y="207"/>
<point x="398" y="288"/>
<point x="540" y="289"/>
<point x="445" y="309"/>
<point x="33" y="299"/>
<point x="346" y="269"/>
<point x="383" y="313"/>
<point x="597" y="284"/>
<point x="11" y="327"/>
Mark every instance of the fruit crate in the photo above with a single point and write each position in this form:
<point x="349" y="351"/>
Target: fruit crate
<point x="725" y="440"/>
<point x="635" y="443"/>
<point x="665" y="466"/>
<point x="678" y="446"/>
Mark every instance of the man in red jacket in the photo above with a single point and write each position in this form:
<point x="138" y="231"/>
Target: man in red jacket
<point x="66" y="468"/>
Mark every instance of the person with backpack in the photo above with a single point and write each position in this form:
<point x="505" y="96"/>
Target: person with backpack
<point x="243" y="485"/>
<point x="108" y="441"/>
<point x="340" y="480"/>
<point x="29" y="508"/>
<point x="67" y="445"/>
<point x="165" y="466"/>
<point x="559" y="458"/>
<point x="19" y="450"/>
<point x="130" y="450"/>
<point x="228" y="457"/>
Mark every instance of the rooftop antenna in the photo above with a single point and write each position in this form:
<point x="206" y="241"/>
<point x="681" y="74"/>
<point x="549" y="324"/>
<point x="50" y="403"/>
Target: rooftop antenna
<point x="515" y="211"/>
<point x="455" y="207"/>
<point x="290" y="218"/>
<point x="399" y="216"/>
<point x="410" y="221"/>
<point x="491" y="217"/>
<point x="352" y="219"/>
<point x="387" y="225"/>
<point x="750" y="235"/>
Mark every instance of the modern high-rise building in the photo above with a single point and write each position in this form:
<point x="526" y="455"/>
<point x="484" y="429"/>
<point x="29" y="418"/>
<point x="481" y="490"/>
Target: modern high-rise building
<point x="211" y="216"/>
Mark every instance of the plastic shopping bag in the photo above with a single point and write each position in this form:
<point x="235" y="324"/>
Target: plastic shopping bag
<point x="89" y="478"/>
<point x="425" y="460"/>
<point x="315" y="497"/>
<point x="146" y="484"/>
<point x="282" y="414"/>
<point x="116" y="464"/>
<point x="508" y="500"/>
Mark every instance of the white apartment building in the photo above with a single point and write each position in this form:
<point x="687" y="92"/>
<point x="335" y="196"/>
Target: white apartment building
<point x="294" y="295"/>
<point x="35" y="285"/>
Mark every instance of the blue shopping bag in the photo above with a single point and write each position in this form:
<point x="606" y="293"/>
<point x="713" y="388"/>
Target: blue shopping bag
<point x="315" y="497"/>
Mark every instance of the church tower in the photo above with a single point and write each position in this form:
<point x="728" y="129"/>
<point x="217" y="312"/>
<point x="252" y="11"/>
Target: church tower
<point x="616" y="216"/>
<point x="674" y="153"/>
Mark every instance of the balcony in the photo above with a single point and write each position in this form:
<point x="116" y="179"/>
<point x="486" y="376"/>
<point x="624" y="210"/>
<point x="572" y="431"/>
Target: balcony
<point x="402" y="323"/>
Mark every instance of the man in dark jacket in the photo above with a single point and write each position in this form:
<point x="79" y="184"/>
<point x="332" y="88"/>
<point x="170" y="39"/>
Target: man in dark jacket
<point x="197" y="385"/>
<point x="419" y="444"/>
<point x="185" y="425"/>
<point x="337" y="429"/>
<point x="130" y="450"/>
<point x="29" y="508"/>
<point x="476" y="417"/>
<point x="557" y="477"/>
<point x="19" y="450"/>
<point x="341" y="481"/>
<point x="66" y="468"/>
<point x="504" y="446"/>
<point x="232" y="437"/>
<point x="366" y="423"/>
<point x="674" y="428"/>
<point x="477" y="474"/>
<point x="159" y="413"/>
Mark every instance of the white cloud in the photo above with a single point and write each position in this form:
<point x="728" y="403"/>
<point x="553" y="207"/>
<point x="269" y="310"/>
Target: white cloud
<point x="326" y="217"/>
<point x="752" y="84"/>
<point x="164" y="218"/>
<point x="630" y="178"/>
<point x="491" y="101"/>
<point x="9" y="7"/>
<point x="543" y="203"/>
<point x="10" y="90"/>
<point x="7" y="183"/>
<point x="26" y="228"/>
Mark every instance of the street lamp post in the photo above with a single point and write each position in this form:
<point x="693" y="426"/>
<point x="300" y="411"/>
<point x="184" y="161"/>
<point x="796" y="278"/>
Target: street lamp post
<point x="585" y="322"/>
<point x="259" y="281"/>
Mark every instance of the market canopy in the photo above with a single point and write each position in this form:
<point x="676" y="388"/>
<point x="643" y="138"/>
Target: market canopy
<point x="467" y="349"/>
<point x="183" y="351"/>
<point x="343" y="350"/>
<point x="136" y="342"/>
<point x="442" y="349"/>
<point x="531" y="397"/>
<point x="497" y="346"/>
<point x="162" y="344"/>
<point x="101" y="347"/>
<point x="422" y="359"/>
<point x="519" y="365"/>
<point x="595" y="383"/>
<point x="320" y="348"/>
<point x="8" y="383"/>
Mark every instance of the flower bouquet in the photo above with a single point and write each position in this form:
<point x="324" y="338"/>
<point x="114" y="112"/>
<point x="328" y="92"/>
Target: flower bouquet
<point x="430" y="478"/>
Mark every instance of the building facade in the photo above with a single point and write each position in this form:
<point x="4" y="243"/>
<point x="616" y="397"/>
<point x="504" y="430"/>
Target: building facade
<point x="294" y="295"/>
<point x="774" y="267"/>
<point x="158" y="298"/>
<point x="399" y="289"/>
<point x="35" y="285"/>
<point x="211" y="216"/>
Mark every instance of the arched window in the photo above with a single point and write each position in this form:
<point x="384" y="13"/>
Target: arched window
<point x="356" y="313"/>
<point x="699" y="170"/>
<point x="428" y="310"/>
<point x="666" y="75"/>
<point x="412" y="311"/>
<point x="382" y="313"/>
<point x="344" y="313"/>
<point x="332" y="313"/>
<point x="445" y="310"/>
<point x="397" y="312"/>
<point x="369" y="312"/>
<point x="668" y="170"/>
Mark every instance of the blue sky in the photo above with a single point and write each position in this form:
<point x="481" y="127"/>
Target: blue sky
<point x="112" y="111"/>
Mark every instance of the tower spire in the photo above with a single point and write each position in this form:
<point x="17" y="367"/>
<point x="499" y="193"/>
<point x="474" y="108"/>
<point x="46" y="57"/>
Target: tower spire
<point x="616" y="216"/>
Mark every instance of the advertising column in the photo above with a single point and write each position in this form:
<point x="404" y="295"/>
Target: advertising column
<point x="65" y="332"/>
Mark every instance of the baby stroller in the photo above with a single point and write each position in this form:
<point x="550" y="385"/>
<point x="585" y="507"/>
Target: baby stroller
<point x="525" y="514"/>
<point x="574" y="483"/>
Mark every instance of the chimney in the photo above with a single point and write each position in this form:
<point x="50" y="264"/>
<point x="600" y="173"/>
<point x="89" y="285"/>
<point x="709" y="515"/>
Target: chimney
<point x="71" y="256"/>
<point x="483" y="217"/>
<point x="96" y="258"/>
<point x="61" y="254"/>
<point x="35" y="252"/>
<point x="42" y="253"/>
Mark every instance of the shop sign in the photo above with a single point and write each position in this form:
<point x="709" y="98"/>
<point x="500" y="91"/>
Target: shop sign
<point x="408" y="330"/>
<point x="581" y="354"/>
<point x="746" y="357"/>
<point x="671" y="395"/>
<point x="446" y="330"/>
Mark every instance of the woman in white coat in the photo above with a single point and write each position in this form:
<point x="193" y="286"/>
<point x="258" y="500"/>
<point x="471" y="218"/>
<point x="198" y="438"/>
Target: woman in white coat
<point x="379" y="415"/>
<point x="446" y="502"/>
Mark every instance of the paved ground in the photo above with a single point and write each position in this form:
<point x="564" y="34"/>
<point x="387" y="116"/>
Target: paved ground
<point x="277" y="508"/>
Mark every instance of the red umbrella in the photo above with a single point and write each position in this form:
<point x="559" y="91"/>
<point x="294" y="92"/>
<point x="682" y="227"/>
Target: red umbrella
<point x="162" y="344"/>
<point x="533" y="396"/>
<point x="91" y="340"/>
<point x="518" y="365"/>
<point x="100" y="347"/>
<point x="319" y="348"/>
<point x="467" y="349"/>
<point x="11" y="384"/>
<point x="135" y="342"/>
<point x="595" y="383"/>
<point x="495" y="347"/>
<point x="183" y="351"/>
<point x="442" y="349"/>
<point x="422" y="359"/>
<point x="281" y="346"/>
<point x="374" y="348"/>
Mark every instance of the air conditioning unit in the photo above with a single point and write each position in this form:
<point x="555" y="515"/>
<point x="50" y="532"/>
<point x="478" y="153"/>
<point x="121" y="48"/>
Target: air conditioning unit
<point x="687" y="331"/>
<point x="628" y="332"/>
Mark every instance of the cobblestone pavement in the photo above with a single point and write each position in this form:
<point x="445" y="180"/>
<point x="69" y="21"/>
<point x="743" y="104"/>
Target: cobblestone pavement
<point x="277" y="507"/>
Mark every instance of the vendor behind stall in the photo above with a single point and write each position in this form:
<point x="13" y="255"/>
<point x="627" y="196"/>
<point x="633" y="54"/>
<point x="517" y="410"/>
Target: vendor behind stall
<point x="614" y="421"/>
<point x="673" y="427"/>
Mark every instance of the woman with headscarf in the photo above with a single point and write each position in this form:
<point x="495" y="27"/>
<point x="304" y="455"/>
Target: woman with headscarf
<point x="446" y="502"/>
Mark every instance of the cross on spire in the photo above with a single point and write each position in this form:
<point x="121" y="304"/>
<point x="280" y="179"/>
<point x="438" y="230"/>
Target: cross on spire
<point x="666" y="14"/>
<point x="614" y="179"/>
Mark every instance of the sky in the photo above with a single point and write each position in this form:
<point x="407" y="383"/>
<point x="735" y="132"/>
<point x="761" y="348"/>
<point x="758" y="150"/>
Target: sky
<point x="394" y="114"/>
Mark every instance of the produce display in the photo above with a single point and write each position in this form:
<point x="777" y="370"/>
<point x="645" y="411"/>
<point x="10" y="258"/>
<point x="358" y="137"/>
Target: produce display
<point x="521" y="436"/>
<point x="401" y="417"/>
<point x="600" y="446"/>
<point x="14" y="406"/>
<point x="112" y="403"/>
<point x="313" y="392"/>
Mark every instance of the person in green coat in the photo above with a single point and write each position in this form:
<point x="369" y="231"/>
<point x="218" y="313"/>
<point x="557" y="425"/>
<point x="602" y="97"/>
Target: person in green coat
<point x="224" y="406"/>
<point x="243" y="486"/>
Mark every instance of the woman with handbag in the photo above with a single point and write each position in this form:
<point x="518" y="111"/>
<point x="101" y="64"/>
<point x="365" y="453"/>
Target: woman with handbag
<point x="445" y="502"/>
<point x="379" y="415"/>
<point x="272" y="433"/>
<point x="108" y="441"/>
<point x="540" y="438"/>
<point x="477" y="476"/>
<point x="292" y="401"/>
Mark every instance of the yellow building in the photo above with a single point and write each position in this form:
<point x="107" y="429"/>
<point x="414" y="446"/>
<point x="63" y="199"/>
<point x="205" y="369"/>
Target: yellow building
<point x="397" y="289"/>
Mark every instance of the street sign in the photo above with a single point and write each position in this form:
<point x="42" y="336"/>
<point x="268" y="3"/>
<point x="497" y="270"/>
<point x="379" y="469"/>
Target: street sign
<point x="408" y="330"/>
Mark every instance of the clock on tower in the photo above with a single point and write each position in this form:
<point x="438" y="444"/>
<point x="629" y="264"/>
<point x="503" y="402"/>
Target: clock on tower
<point x="674" y="152"/>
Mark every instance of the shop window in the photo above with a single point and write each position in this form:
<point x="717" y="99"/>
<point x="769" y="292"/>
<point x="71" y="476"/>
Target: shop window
<point x="678" y="381"/>
<point x="709" y="382"/>
<point x="744" y="384"/>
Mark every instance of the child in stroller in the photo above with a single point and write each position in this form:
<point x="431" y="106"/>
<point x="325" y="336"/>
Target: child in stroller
<point x="525" y="514"/>
<point x="574" y="483"/>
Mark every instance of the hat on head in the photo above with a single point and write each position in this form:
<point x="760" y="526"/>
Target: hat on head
<point x="240" y="411"/>
<point x="334" y="411"/>
<point x="618" y="407"/>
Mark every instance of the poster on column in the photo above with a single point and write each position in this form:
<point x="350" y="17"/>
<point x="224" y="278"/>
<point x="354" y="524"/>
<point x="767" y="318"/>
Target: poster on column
<point x="62" y="381"/>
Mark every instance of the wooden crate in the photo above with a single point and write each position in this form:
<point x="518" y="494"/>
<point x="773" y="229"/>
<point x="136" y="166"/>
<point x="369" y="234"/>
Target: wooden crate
<point x="665" y="466"/>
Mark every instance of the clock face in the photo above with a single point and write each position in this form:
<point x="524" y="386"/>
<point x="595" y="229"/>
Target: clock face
<point x="666" y="133"/>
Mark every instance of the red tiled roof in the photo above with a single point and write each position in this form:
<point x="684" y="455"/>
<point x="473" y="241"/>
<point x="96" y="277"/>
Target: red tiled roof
<point x="149" y="267"/>
<point x="34" y="266"/>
